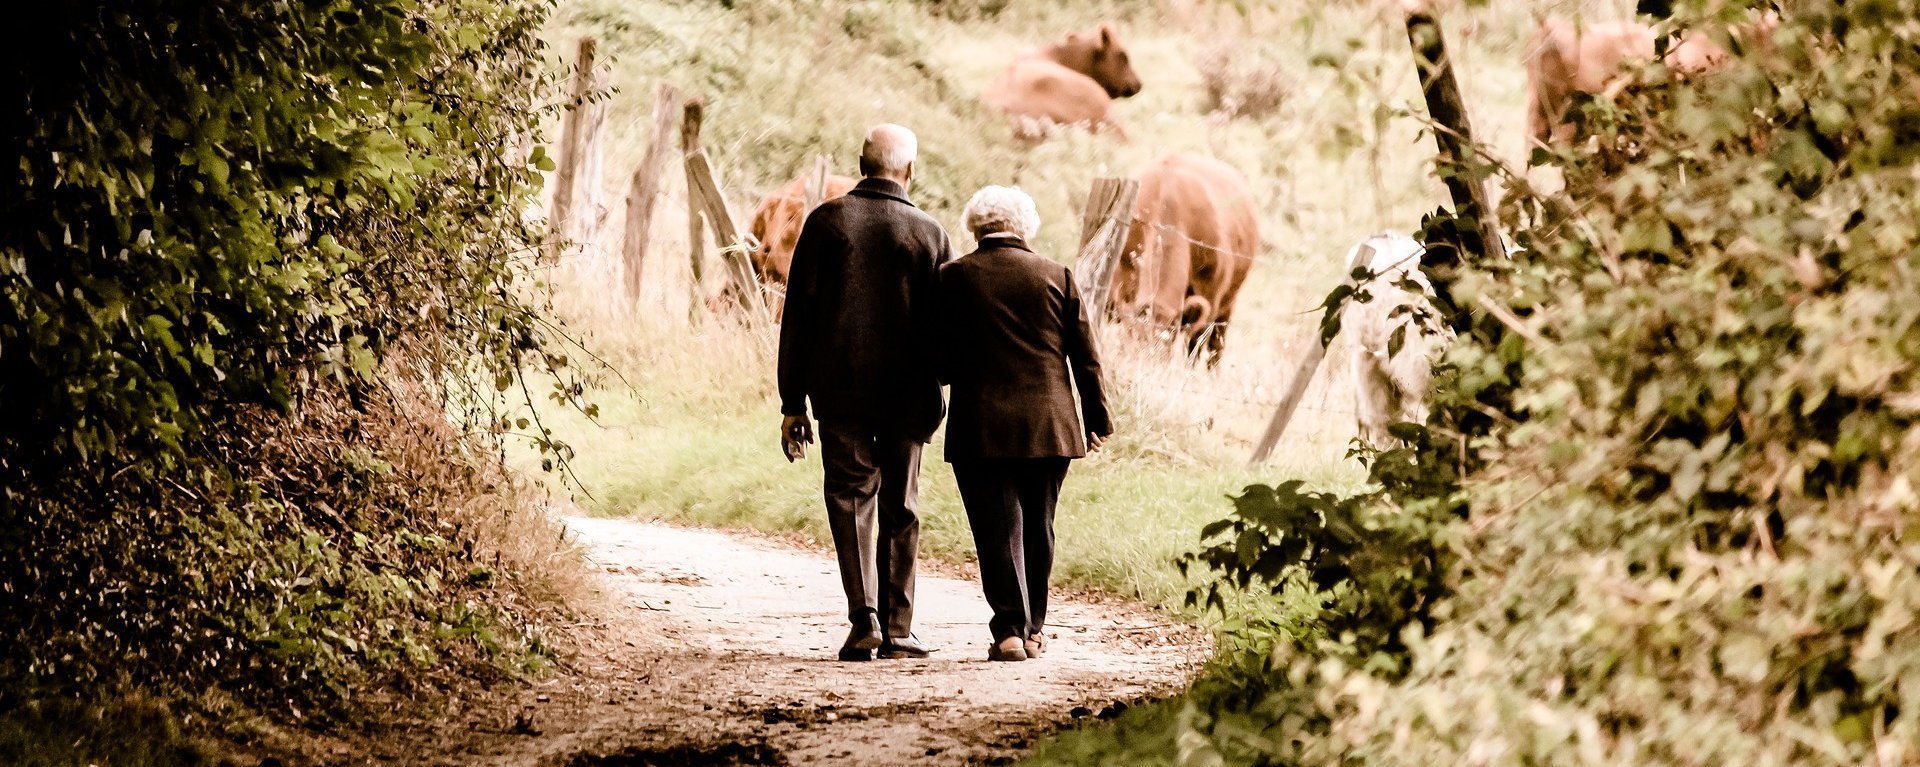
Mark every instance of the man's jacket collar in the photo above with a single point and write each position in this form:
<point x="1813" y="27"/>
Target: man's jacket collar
<point x="881" y="188"/>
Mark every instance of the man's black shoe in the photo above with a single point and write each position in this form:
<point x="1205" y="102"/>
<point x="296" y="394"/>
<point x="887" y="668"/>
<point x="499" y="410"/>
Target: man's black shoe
<point x="908" y="646"/>
<point x="862" y="640"/>
<point x="855" y="654"/>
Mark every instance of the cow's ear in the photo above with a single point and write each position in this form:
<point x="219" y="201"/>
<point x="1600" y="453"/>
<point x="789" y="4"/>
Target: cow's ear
<point x="1107" y="35"/>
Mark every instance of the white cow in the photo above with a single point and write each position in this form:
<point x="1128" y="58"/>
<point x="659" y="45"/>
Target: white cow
<point x="1391" y="388"/>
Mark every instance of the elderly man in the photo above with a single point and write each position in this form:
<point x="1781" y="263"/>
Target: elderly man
<point x="1016" y="345"/>
<point x="854" y="341"/>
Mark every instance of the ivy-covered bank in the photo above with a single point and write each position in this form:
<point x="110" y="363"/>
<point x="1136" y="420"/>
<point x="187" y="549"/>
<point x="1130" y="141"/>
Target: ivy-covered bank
<point x="254" y="253"/>
<point x="1665" y="512"/>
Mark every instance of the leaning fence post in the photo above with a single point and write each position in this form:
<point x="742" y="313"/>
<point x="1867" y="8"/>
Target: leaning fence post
<point x="645" y="186"/>
<point x="1296" y="390"/>
<point x="1103" y="233"/>
<point x="706" y="201"/>
<point x="726" y="235"/>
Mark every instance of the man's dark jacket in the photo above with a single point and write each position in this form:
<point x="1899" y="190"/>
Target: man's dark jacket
<point x="1014" y="342"/>
<point x="855" y="336"/>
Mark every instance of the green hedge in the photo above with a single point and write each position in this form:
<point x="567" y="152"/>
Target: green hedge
<point x="227" y="201"/>
<point x="254" y="253"/>
<point x="1665" y="513"/>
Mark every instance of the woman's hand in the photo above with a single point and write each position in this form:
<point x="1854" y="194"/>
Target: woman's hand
<point x="1094" y="442"/>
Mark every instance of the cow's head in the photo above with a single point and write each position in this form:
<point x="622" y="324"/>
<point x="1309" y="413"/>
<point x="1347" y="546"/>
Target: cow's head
<point x="1100" y="56"/>
<point x="765" y="234"/>
<point x="773" y="256"/>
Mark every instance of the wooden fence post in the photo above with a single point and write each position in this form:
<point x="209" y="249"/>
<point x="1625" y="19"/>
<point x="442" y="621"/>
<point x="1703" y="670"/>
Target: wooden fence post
<point x="1480" y="236"/>
<point x="816" y="189"/>
<point x="705" y="201"/>
<point x="577" y="193"/>
<point x="692" y="113"/>
<point x="1454" y="136"/>
<point x="1296" y="390"/>
<point x="645" y="186"/>
<point x="1103" y="233"/>
<point x="704" y="192"/>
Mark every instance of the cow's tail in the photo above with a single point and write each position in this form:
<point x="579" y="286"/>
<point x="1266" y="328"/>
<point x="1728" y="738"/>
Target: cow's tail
<point x="1197" y="311"/>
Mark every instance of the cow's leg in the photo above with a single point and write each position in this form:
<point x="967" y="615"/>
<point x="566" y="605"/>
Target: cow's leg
<point x="1200" y="315"/>
<point x="1172" y="273"/>
<point x="1123" y="297"/>
<point x="1233" y="277"/>
<point x="1373" y="399"/>
<point x="1033" y="131"/>
<point x="1549" y="82"/>
<point x="1412" y="373"/>
<point x="1216" y="340"/>
<point x="1195" y="325"/>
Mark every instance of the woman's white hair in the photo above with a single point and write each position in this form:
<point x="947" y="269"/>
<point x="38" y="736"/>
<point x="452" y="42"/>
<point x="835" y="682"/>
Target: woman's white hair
<point x="1001" y="210"/>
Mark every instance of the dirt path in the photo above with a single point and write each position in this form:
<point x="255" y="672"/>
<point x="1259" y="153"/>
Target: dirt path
<point x="718" y="649"/>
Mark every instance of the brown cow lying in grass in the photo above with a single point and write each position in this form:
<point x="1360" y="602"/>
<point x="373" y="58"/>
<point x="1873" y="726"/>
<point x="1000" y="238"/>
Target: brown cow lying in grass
<point x="1390" y="385"/>
<point x="776" y="229"/>
<point x="1071" y="82"/>
<point x="1565" y="58"/>
<point x="1194" y="236"/>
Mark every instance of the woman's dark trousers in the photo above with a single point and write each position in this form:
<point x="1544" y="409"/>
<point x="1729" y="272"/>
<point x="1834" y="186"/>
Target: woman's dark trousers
<point x="1010" y="508"/>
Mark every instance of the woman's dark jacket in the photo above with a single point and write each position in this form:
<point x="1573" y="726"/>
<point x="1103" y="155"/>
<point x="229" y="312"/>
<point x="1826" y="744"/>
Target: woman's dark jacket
<point x="1014" y="342"/>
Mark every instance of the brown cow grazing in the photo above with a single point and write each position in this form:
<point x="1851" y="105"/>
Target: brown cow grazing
<point x="1071" y="82"/>
<point x="776" y="228"/>
<point x="1194" y="235"/>
<point x="1565" y="58"/>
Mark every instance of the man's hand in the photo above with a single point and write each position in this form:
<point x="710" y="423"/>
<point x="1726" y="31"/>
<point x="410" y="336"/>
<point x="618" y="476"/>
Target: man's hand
<point x="1096" y="441"/>
<point x="796" y="432"/>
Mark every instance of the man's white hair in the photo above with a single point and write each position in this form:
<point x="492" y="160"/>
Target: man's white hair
<point x="1001" y="210"/>
<point x="889" y="150"/>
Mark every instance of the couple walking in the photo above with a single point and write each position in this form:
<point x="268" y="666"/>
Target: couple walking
<point x="879" y="314"/>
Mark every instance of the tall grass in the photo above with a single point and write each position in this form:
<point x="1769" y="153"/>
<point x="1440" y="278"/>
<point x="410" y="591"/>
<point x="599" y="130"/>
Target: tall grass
<point x="691" y="435"/>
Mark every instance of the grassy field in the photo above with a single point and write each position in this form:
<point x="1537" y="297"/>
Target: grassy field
<point x="687" y="426"/>
<point x="694" y="439"/>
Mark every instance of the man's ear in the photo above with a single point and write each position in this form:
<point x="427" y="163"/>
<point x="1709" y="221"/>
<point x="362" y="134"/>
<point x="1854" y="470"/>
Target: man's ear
<point x="911" y="164"/>
<point x="1107" y="36"/>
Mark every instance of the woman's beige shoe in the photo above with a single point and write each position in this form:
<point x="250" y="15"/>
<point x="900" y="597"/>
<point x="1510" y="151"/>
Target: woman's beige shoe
<point x="1035" y="645"/>
<point x="1010" y="648"/>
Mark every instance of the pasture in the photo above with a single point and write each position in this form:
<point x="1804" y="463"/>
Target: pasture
<point x="1308" y="100"/>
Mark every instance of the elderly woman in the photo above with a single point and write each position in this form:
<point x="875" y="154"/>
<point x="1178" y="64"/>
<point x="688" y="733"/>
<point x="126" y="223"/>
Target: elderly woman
<point x="1014" y="344"/>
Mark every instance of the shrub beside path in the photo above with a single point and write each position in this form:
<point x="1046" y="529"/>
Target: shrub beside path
<point x="717" y="648"/>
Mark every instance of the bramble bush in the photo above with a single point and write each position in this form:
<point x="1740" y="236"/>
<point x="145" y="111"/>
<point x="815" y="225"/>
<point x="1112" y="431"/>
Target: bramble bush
<point x="255" y="254"/>
<point x="1666" y="515"/>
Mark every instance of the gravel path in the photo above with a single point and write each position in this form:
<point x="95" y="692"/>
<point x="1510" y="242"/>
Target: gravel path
<point x="716" y="649"/>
